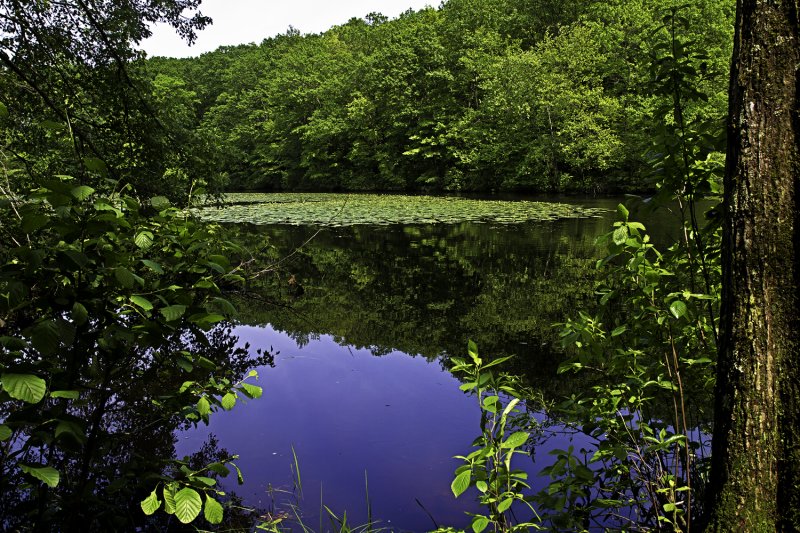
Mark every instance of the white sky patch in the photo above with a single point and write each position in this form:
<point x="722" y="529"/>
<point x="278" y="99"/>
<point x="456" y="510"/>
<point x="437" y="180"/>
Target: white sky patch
<point x="252" y="21"/>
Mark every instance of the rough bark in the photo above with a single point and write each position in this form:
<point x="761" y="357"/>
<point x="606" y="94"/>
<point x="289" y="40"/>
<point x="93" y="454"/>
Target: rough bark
<point x="756" y="445"/>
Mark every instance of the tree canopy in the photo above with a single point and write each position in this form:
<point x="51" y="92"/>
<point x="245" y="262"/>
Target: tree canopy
<point x="472" y="96"/>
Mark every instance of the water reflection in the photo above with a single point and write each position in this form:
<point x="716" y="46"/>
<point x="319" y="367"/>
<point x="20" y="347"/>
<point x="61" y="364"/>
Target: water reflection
<point x="365" y="322"/>
<point x="111" y="444"/>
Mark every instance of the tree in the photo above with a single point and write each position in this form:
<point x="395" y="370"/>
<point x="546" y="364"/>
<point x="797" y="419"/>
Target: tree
<point x="756" y="445"/>
<point x="111" y="298"/>
<point x="72" y="66"/>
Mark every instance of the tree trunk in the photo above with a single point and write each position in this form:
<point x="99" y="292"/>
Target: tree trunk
<point x="756" y="443"/>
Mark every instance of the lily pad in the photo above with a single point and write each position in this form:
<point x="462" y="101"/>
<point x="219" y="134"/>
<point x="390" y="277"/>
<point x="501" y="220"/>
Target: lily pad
<point x="326" y="209"/>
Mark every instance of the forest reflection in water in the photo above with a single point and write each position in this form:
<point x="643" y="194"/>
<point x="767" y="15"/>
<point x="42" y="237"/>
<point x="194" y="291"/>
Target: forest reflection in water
<point x="365" y="319"/>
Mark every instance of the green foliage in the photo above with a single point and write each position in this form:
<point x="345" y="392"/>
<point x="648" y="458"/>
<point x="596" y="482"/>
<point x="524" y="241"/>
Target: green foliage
<point x="488" y="468"/>
<point x="647" y="355"/>
<point x="475" y="96"/>
<point x="648" y="350"/>
<point x="106" y="300"/>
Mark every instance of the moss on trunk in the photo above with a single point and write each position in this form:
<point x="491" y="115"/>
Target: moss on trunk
<point x="756" y="447"/>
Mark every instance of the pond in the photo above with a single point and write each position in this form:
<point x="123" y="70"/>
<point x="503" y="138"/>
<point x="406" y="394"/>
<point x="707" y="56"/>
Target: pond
<point x="362" y="319"/>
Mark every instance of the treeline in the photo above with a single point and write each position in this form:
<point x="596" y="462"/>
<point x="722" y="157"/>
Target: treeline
<point x="477" y="95"/>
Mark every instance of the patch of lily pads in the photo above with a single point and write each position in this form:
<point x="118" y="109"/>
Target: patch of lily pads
<point x="329" y="209"/>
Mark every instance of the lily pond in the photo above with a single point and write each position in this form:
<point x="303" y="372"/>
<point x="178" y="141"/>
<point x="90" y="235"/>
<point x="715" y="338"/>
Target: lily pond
<point x="361" y="303"/>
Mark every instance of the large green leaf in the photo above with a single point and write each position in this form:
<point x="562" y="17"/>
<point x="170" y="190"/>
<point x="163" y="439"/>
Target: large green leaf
<point x="460" y="483"/>
<point x="228" y="401"/>
<point x="159" y="202"/>
<point x="143" y="239"/>
<point x="212" y="510"/>
<point x="82" y="192"/>
<point x="479" y="523"/>
<point x="46" y="474"/>
<point x="252" y="391"/>
<point x="620" y="235"/>
<point x="79" y="313"/>
<point x="173" y="312"/>
<point x="515" y="440"/>
<point x="68" y="394"/>
<point x="33" y="221"/>
<point x="25" y="387"/>
<point x="503" y="506"/>
<point x="169" y="499"/>
<point x="187" y="504"/>
<point x="142" y="302"/>
<point x="151" y="504"/>
<point x="5" y="432"/>
<point x="124" y="277"/>
<point x="203" y="407"/>
<point x="46" y="337"/>
<point x="152" y="265"/>
<point x="678" y="308"/>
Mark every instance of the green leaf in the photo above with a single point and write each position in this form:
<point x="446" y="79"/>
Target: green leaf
<point x="79" y="313"/>
<point x="124" y="277"/>
<point x="159" y="202"/>
<point x="33" y="221"/>
<point x="212" y="510"/>
<point x="72" y="429"/>
<point x="5" y="432"/>
<point x="151" y="504"/>
<point x="460" y="483"/>
<point x="203" y="407"/>
<point x="184" y="363"/>
<point x="207" y="481"/>
<point x="169" y="499"/>
<point x="228" y="401"/>
<point x="52" y="125"/>
<point x="46" y="337"/>
<point x="252" y="391"/>
<point x="482" y="486"/>
<point x="623" y="212"/>
<point x="472" y="349"/>
<point x="3" y="110"/>
<point x="503" y="506"/>
<point x="173" y="312"/>
<point x="225" y="306"/>
<point x="239" y="477"/>
<point x="143" y="239"/>
<point x="46" y="474"/>
<point x="515" y="440"/>
<point x="479" y="523"/>
<point x="219" y="468"/>
<point x="152" y="265"/>
<point x="69" y="394"/>
<point x="142" y="302"/>
<point x="25" y="387"/>
<point x="95" y="165"/>
<point x="677" y="308"/>
<point x="187" y="504"/>
<point x="82" y="192"/>
<point x="620" y="235"/>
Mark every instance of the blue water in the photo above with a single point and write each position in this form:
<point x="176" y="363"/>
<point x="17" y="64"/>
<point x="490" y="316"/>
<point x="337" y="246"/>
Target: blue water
<point x="322" y="400"/>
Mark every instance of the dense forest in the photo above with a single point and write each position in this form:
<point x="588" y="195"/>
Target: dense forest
<point x="118" y="322"/>
<point x="499" y="95"/>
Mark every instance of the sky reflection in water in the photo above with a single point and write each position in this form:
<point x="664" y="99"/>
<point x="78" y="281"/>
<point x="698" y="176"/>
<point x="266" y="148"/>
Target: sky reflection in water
<point x="322" y="399"/>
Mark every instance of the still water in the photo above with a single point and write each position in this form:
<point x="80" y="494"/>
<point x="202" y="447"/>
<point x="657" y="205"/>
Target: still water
<point x="362" y="321"/>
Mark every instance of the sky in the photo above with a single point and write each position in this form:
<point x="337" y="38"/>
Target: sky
<point x="251" y="21"/>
